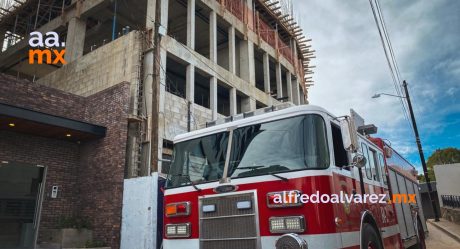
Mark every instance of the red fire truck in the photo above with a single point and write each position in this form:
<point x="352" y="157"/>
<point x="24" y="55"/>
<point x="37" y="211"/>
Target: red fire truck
<point x="224" y="179"/>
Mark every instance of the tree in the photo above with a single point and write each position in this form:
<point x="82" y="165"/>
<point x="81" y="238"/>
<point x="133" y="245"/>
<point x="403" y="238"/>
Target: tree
<point x="439" y="157"/>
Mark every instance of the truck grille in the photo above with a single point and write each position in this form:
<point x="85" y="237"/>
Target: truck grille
<point x="228" y="227"/>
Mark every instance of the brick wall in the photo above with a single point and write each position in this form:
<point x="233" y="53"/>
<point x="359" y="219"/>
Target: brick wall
<point x="40" y="98"/>
<point x="101" y="169"/>
<point x="61" y="158"/>
<point x="90" y="175"/>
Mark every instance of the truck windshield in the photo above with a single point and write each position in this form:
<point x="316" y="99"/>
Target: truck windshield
<point x="290" y="144"/>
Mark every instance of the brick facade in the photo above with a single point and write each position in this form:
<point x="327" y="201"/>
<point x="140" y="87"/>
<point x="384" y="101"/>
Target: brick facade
<point x="89" y="175"/>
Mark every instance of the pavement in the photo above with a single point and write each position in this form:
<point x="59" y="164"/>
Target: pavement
<point x="443" y="234"/>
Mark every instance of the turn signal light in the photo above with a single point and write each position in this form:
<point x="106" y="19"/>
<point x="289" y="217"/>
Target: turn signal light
<point x="177" y="209"/>
<point x="284" y="199"/>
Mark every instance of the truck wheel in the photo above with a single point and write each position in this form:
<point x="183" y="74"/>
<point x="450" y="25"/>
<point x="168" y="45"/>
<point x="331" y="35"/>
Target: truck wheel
<point x="421" y="236"/>
<point x="370" y="239"/>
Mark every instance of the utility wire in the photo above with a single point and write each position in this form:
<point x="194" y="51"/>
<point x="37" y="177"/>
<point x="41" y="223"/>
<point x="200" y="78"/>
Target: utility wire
<point x="393" y="58"/>
<point x="398" y="86"/>
<point x="389" y="55"/>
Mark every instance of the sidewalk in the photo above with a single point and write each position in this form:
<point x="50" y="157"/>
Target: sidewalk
<point x="450" y="228"/>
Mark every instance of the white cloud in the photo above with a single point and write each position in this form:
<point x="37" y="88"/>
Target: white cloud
<point x="351" y="66"/>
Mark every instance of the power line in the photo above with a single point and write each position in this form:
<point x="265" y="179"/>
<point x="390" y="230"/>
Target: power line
<point x="389" y="54"/>
<point x="393" y="58"/>
<point x="399" y="89"/>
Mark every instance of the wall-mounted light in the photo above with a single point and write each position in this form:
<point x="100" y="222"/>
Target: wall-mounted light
<point x="68" y="135"/>
<point x="11" y="124"/>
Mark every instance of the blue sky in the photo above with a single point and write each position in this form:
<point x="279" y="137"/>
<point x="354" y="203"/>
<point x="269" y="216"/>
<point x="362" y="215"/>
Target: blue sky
<point x="351" y="66"/>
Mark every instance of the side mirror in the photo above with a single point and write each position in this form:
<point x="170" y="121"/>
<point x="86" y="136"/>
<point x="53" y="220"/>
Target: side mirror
<point x="349" y="134"/>
<point x="359" y="160"/>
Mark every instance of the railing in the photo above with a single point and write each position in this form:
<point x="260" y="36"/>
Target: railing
<point x="286" y="51"/>
<point x="259" y="26"/>
<point x="452" y="201"/>
<point x="266" y="32"/>
<point x="236" y="7"/>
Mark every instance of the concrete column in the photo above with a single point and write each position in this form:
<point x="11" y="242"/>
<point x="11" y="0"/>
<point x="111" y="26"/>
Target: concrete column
<point x="164" y="13"/>
<point x="295" y="92"/>
<point x="213" y="36"/>
<point x="247" y="64"/>
<point x="233" y="104"/>
<point x="266" y="66"/>
<point x="162" y="87"/>
<point x="248" y="104"/>
<point x="301" y="99"/>
<point x="75" y="40"/>
<point x="191" y="24"/>
<point x="289" y="86"/>
<point x="231" y="50"/>
<point x="213" y="96"/>
<point x="279" y="81"/>
<point x="190" y="83"/>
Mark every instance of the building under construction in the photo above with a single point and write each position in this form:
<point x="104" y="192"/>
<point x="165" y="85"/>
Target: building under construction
<point x="137" y="73"/>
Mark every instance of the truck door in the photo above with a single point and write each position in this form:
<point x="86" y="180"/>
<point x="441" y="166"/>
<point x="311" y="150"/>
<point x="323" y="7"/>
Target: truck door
<point x="344" y="180"/>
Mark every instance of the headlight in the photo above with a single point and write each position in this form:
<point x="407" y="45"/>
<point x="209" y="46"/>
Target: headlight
<point x="178" y="230"/>
<point x="291" y="241"/>
<point x="289" y="224"/>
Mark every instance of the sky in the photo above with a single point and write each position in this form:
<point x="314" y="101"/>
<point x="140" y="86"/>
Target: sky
<point x="351" y="66"/>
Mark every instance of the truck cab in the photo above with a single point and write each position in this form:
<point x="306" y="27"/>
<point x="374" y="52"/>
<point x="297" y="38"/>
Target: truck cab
<point x="223" y="182"/>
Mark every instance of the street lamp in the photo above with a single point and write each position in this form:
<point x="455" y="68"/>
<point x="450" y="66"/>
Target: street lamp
<point x="377" y="95"/>
<point x="419" y="145"/>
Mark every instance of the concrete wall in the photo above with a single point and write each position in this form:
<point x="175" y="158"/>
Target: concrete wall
<point x="139" y="218"/>
<point x="176" y="116"/>
<point x="447" y="177"/>
<point x="104" y="67"/>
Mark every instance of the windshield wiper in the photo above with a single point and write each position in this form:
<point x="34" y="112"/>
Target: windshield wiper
<point x="190" y="180"/>
<point x="280" y="177"/>
<point x="252" y="167"/>
<point x="257" y="167"/>
<point x="193" y="185"/>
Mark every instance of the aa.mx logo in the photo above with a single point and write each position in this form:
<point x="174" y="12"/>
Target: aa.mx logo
<point x="46" y="49"/>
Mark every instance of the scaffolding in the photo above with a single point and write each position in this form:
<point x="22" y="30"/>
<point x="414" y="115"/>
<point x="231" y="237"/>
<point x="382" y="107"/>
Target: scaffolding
<point x="10" y="6"/>
<point x="20" y="17"/>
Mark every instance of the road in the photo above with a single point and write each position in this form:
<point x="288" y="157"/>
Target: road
<point x="438" y="239"/>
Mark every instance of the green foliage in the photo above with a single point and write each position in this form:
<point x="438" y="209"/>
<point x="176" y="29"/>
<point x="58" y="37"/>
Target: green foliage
<point x="440" y="157"/>
<point x="74" y="222"/>
<point x="95" y="243"/>
<point x="421" y="178"/>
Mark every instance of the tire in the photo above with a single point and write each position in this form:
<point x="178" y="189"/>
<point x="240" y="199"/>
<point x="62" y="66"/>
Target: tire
<point x="420" y="236"/>
<point x="370" y="238"/>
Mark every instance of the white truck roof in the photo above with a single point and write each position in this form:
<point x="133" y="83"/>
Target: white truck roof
<point x="265" y="117"/>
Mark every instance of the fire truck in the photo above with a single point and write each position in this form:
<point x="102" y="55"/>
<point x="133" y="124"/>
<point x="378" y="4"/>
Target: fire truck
<point x="224" y="179"/>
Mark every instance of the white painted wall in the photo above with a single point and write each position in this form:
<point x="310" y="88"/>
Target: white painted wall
<point x="447" y="179"/>
<point x="139" y="214"/>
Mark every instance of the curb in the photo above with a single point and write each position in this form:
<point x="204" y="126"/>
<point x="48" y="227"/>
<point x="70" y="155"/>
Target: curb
<point x="452" y="235"/>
